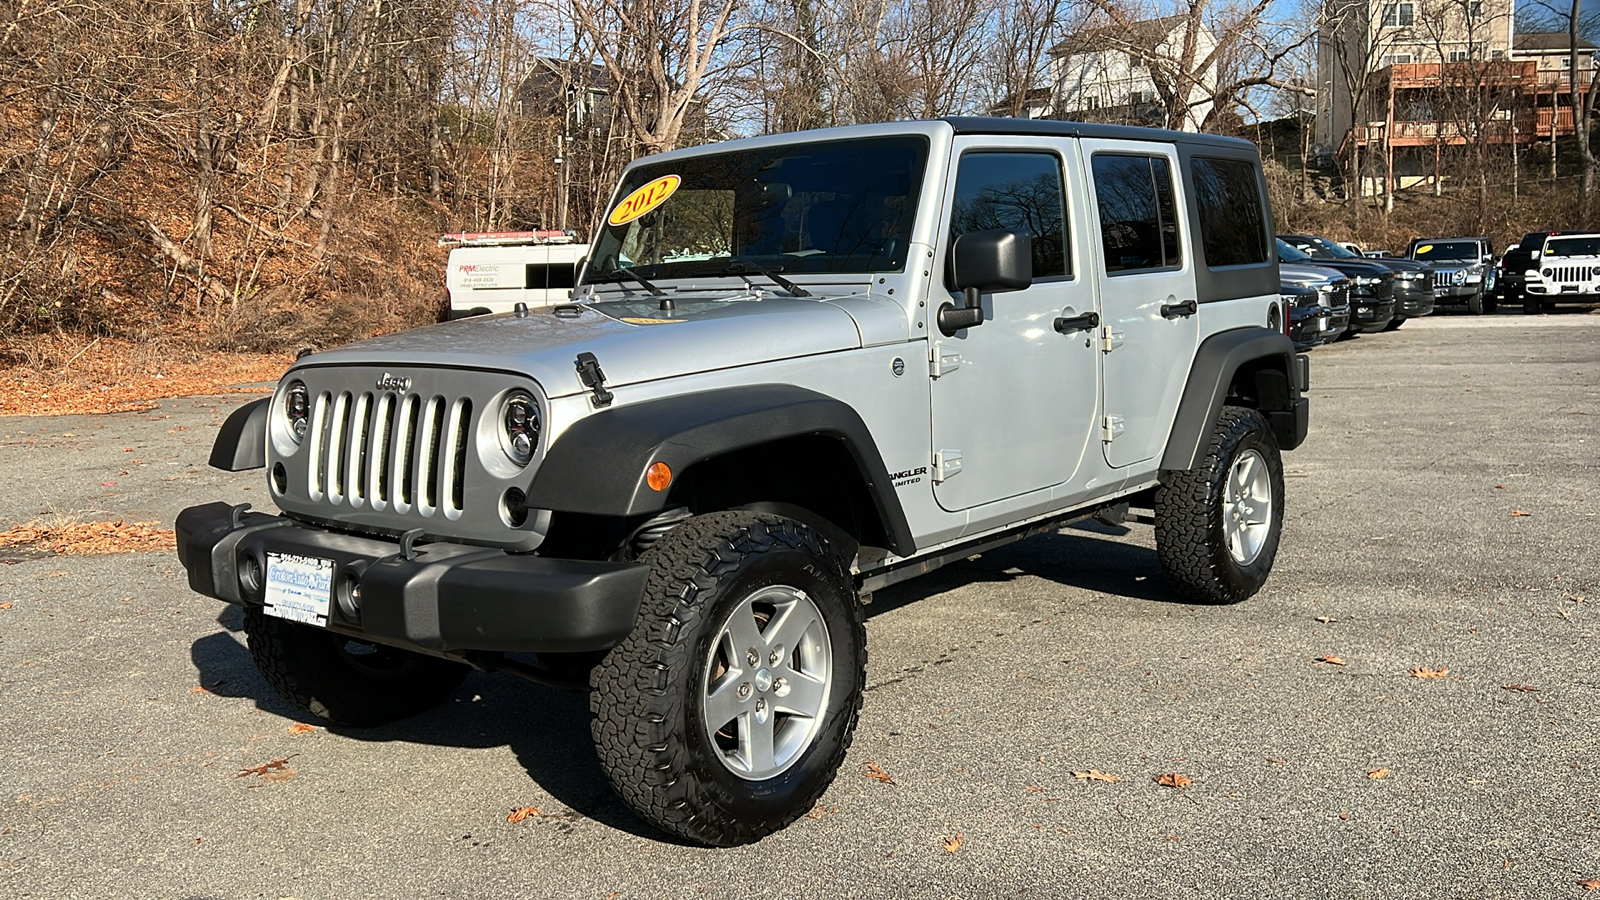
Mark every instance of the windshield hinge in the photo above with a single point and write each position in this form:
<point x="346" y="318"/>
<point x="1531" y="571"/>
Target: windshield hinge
<point x="594" y="379"/>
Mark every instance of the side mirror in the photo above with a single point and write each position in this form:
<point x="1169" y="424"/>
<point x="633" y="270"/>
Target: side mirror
<point x="985" y="262"/>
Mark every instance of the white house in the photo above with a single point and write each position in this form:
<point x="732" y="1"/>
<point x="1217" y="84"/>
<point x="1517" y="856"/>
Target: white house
<point x="1111" y="74"/>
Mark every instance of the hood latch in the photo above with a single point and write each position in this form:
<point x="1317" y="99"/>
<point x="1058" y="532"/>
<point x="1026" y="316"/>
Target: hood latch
<point x="594" y="379"/>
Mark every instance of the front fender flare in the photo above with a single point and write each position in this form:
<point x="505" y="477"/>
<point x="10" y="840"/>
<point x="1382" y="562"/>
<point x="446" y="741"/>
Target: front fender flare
<point x="597" y="466"/>
<point x="242" y="442"/>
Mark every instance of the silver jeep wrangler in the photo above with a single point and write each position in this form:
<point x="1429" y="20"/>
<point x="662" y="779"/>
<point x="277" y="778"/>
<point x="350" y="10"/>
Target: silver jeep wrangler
<point x="797" y="369"/>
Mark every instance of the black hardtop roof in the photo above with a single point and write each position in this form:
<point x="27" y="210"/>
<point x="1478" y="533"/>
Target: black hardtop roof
<point x="1053" y="128"/>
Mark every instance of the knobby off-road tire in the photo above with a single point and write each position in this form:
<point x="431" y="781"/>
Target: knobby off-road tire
<point x="728" y="710"/>
<point x="1475" y="304"/>
<point x="1217" y="525"/>
<point x="346" y="682"/>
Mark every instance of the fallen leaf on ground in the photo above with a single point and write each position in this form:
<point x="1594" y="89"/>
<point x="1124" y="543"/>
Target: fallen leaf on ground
<point x="199" y="689"/>
<point x="5" y="605"/>
<point x="952" y="843"/>
<point x="1518" y="512"/>
<point x="522" y="812"/>
<point x="301" y="728"/>
<point x="1330" y="660"/>
<point x="878" y="774"/>
<point x="1593" y="884"/>
<point x="1499" y="487"/>
<point x="1096" y="775"/>
<point x="1378" y="774"/>
<point x="1524" y="688"/>
<point x="1036" y="790"/>
<point x="1326" y="619"/>
<point x="278" y="764"/>
<point x="1425" y="672"/>
<point x="90" y="537"/>
<point x="279" y="776"/>
<point x="1174" y="780"/>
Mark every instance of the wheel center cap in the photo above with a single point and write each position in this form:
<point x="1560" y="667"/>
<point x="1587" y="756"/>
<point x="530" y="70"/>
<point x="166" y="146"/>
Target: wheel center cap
<point x="763" y="680"/>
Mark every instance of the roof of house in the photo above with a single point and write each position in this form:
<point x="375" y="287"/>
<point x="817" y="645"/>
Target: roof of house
<point x="1546" y="42"/>
<point x="1147" y="34"/>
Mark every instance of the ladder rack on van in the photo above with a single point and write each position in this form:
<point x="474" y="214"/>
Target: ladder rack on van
<point x="505" y="238"/>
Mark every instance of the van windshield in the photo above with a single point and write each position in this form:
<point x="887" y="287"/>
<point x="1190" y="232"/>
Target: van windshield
<point x="1440" y="250"/>
<point x="1574" y="246"/>
<point x="836" y="206"/>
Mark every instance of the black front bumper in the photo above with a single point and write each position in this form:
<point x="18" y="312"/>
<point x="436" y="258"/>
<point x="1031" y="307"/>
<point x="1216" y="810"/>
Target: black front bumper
<point x="446" y="598"/>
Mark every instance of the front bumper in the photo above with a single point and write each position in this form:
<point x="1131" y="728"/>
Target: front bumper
<point x="445" y="598"/>
<point x="1457" y="293"/>
<point x="1410" y="303"/>
<point x="1370" y="315"/>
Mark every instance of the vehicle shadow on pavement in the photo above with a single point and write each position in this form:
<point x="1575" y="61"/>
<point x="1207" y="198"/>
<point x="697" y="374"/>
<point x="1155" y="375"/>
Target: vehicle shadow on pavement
<point x="1079" y="557"/>
<point x="546" y="728"/>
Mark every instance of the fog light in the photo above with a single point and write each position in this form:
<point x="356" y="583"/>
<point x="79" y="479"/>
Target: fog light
<point x="349" y="594"/>
<point x="249" y="575"/>
<point x="514" y="507"/>
<point x="280" y="478"/>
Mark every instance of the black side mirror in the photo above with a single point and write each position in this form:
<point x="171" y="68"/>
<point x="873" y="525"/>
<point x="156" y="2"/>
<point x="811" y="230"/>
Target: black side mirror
<point x="985" y="262"/>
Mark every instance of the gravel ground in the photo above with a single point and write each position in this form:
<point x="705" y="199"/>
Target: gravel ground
<point x="991" y="682"/>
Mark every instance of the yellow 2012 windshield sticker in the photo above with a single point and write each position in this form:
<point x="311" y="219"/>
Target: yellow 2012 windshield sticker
<point x="641" y="201"/>
<point x="1424" y="248"/>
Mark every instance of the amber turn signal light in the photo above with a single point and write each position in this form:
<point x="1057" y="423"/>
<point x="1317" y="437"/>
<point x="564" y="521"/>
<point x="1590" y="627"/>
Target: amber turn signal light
<point x="658" y="476"/>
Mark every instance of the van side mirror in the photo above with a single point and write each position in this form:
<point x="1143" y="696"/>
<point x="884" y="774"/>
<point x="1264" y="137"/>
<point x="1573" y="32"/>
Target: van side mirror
<point x="985" y="262"/>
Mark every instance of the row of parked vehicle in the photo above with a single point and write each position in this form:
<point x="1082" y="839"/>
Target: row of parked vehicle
<point x="1334" y="290"/>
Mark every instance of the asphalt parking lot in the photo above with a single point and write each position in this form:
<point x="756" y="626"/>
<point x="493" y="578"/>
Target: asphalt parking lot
<point x="1443" y="514"/>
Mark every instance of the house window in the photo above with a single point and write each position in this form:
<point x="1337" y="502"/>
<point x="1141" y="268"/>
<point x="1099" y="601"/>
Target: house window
<point x="1475" y="9"/>
<point x="1135" y="61"/>
<point x="1396" y="59"/>
<point x="1458" y="56"/>
<point x="1400" y="15"/>
<point x="1093" y="103"/>
<point x="1566" y="62"/>
<point x="1497" y="54"/>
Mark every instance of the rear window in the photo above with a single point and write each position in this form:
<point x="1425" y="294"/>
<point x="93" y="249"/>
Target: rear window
<point x="1232" y="227"/>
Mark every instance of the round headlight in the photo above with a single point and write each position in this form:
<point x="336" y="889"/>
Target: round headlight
<point x="1460" y="276"/>
<point x="1547" y="272"/>
<point x="519" y="427"/>
<point x="297" y="409"/>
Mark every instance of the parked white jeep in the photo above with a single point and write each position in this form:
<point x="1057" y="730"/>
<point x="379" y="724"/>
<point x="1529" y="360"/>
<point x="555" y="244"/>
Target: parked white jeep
<point x="799" y="368"/>
<point x="1568" y="271"/>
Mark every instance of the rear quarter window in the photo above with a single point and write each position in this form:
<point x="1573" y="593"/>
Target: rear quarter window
<point x="1233" y="230"/>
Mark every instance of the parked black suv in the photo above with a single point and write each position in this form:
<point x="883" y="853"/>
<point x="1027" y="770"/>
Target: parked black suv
<point x="1371" y="285"/>
<point x="1413" y="281"/>
<point x="1463" y="270"/>
<point x="1519" y="258"/>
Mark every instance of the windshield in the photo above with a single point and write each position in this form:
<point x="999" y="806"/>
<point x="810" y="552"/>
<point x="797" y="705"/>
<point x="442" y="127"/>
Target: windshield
<point x="839" y="206"/>
<point x="1578" y="246"/>
<point x="1460" y="250"/>
<point x="1332" y="249"/>
<point x="1288" y="254"/>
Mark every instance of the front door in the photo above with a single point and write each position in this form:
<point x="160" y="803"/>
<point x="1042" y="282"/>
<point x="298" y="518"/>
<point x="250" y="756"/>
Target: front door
<point x="1147" y="293"/>
<point x="1013" y="399"/>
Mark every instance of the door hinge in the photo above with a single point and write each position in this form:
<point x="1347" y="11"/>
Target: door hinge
<point x="942" y="361"/>
<point x="1110" y="339"/>
<point x="1110" y="427"/>
<point x="946" y="465"/>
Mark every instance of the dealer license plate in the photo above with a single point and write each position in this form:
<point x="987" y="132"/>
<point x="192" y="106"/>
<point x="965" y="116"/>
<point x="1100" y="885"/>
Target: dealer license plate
<point x="299" y="587"/>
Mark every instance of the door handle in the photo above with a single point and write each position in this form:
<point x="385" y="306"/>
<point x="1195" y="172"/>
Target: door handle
<point x="1086" y="322"/>
<point x="1179" y="310"/>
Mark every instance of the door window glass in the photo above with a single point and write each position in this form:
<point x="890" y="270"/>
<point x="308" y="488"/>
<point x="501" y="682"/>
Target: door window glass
<point x="1023" y="191"/>
<point x="1232" y="228"/>
<point x="1138" y="219"/>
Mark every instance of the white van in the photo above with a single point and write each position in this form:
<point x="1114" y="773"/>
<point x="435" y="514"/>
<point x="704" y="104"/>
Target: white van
<point x="493" y="272"/>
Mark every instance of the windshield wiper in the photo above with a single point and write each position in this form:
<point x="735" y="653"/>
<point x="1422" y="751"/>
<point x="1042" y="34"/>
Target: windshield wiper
<point x="619" y="274"/>
<point x="739" y="268"/>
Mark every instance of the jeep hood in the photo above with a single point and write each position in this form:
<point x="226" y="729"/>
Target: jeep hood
<point x="634" y="341"/>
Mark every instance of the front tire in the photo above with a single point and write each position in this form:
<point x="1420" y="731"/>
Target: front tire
<point x="1218" y="525"/>
<point x="1530" y="305"/>
<point x="1475" y="304"/>
<point x="345" y="681"/>
<point x="727" y="712"/>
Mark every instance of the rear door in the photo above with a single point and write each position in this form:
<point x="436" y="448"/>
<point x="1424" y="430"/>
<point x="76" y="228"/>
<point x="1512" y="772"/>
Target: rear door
<point x="1148" y="299"/>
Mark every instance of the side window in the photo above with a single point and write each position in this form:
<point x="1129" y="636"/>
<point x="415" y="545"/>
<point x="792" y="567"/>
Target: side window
<point x="1232" y="229"/>
<point x="1138" y="218"/>
<point x="1024" y="191"/>
<point x="538" y="274"/>
<point x="563" y="276"/>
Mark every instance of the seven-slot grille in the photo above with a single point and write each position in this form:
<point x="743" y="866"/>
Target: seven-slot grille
<point x="1444" y="278"/>
<point x="390" y="451"/>
<point x="1570" y="274"/>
